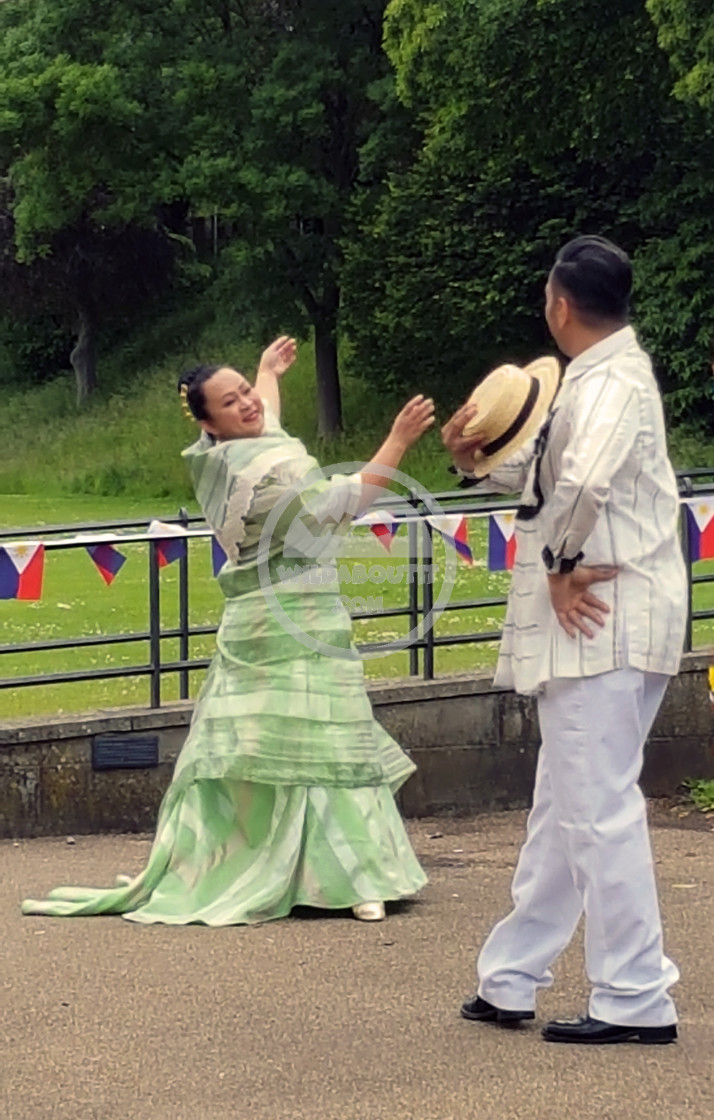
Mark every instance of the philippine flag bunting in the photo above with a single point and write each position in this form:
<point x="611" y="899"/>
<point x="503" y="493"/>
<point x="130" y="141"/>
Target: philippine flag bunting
<point x="384" y="526"/>
<point x="22" y="563"/>
<point x="107" y="559"/>
<point x="218" y="556"/>
<point x="454" y="530"/>
<point x="22" y="567"/>
<point x="700" y="522"/>
<point x="172" y="543"/>
<point x="501" y="542"/>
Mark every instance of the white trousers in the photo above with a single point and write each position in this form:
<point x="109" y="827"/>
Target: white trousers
<point x="587" y="849"/>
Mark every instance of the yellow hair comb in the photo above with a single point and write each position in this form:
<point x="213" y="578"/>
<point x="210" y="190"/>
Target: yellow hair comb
<point x="183" y="392"/>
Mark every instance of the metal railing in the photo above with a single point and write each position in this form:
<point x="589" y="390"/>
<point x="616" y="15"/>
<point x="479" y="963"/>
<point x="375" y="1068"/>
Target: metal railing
<point x="420" y="597"/>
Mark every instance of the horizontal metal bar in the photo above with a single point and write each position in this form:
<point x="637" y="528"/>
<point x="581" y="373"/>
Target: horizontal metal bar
<point x="178" y="666"/>
<point x="464" y="639"/>
<point x="90" y="526"/>
<point x="474" y="604"/>
<point x="79" y="675"/>
<point x="359" y="616"/>
<point x="99" y="640"/>
<point x="127" y="538"/>
<point x="74" y="643"/>
<point x="372" y="647"/>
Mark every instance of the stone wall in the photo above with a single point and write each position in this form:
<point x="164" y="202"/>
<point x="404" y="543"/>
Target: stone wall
<point x="475" y="748"/>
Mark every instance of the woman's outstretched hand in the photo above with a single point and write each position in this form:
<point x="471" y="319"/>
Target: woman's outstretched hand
<point x="414" y="419"/>
<point x="277" y="358"/>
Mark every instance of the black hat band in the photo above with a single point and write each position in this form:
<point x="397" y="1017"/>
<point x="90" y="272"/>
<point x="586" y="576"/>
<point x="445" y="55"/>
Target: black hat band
<point x="514" y="428"/>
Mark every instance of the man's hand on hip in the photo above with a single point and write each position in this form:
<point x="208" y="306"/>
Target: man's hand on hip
<point x="573" y="601"/>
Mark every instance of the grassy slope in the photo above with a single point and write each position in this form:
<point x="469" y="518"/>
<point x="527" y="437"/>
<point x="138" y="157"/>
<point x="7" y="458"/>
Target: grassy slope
<point x="129" y="440"/>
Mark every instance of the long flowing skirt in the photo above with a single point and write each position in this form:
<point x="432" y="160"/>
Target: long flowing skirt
<point x="283" y="794"/>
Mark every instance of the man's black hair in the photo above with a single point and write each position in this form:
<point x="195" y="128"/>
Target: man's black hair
<point x="597" y="278"/>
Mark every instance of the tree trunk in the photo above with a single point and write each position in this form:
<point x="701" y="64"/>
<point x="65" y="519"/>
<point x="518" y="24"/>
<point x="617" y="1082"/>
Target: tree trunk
<point x="84" y="356"/>
<point x="329" y="398"/>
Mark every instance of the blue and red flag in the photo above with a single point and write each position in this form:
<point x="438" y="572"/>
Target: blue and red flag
<point x="384" y="526"/>
<point x="171" y="544"/>
<point x="454" y="531"/>
<point x="501" y="542"/>
<point x="22" y="567"/>
<point x="168" y="550"/>
<point x="107" y="559"/>
<point x="218" y="556"/>
<point x="701" y="529"/>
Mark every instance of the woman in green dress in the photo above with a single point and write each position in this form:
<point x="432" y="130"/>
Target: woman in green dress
<point x="283" y="793"/>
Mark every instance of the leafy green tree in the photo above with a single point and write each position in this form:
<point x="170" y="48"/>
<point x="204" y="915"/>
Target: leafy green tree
<point x="86" y="179"/>
<point x="686" y="32"/>
<point x="90" y="280"/>
<point x="295" y="170"/>
<point x="248" y="112"/>
<point x="526" y="140"/>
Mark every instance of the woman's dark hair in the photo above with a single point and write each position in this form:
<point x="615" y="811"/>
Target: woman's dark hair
<point x="194" y="380"/>
<point x="597" y="277"/>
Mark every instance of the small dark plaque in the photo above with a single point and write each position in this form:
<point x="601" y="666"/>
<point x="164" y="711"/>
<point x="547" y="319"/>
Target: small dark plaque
<point x="124" y="752"/>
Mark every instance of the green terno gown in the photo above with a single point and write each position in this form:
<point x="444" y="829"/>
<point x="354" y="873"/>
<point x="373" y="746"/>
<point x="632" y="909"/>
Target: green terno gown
<point x="283" y="792"/>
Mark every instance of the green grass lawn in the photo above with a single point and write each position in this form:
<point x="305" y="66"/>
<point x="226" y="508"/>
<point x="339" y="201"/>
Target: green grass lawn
<point x="76" y="603"/>
<point x="105" y="462"/>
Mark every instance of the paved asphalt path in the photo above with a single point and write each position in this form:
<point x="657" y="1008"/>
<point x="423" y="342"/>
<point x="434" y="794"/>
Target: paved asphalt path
<point x="323" y="1017"/>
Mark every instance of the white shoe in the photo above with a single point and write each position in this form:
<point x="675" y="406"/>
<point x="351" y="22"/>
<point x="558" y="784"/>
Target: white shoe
<point x="369" y="911"/>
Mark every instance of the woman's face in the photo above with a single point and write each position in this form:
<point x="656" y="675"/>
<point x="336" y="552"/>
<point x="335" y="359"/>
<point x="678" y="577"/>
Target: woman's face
<point x="235" y="411"/>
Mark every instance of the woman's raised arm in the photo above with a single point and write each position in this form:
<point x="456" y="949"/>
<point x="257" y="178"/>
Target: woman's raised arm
<point x="274" y="362"/>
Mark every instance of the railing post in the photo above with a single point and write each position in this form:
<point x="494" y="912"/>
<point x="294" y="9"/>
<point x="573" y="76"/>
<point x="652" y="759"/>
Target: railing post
<point x="413" y="585"/>
<point x="426" y="574"/>
<point x="154" y="626"/>
<point x="183" y="611"/>
<point x="686" y="539"/>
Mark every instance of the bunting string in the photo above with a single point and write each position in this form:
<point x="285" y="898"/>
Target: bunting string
<point x="22" y="563"/>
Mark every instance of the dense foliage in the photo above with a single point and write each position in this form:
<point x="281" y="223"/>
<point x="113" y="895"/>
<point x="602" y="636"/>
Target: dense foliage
<point x="410" y="199"/>
<point x="539" y="119"/>
<point x="245" y="112"/>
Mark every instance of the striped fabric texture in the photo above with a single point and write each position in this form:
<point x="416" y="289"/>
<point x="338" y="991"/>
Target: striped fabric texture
<point x="283" y="794"/>
<point x="234" y="853"/>
<point x="608" y="491"/>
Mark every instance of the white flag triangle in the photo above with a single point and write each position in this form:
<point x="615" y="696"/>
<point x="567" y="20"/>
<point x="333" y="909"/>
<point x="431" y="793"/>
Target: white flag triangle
<point x="447" y="523"/>
<point x="702" y="511"/>
<point x="21" y="554"/>
<point x="506" y="523"/>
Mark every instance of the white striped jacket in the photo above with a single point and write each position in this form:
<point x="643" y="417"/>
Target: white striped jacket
<point x="608" y="491"/>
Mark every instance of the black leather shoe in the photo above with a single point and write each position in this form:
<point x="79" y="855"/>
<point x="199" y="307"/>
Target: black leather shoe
<point x="585" y="1029"/>
<point x="485" y="1012"/>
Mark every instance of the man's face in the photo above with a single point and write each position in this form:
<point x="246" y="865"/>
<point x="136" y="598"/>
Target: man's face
<point x="557" y="313"/>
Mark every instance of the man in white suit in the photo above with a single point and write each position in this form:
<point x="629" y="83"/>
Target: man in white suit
<point x="599" y="505"/>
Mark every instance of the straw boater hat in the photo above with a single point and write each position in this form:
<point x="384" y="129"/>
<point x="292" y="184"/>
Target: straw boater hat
<point x="512" y="404"/>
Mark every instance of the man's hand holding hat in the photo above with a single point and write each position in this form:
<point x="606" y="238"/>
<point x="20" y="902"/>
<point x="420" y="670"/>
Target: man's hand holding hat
<point x="461" y="447"/>
<point x="505" y="410"/>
